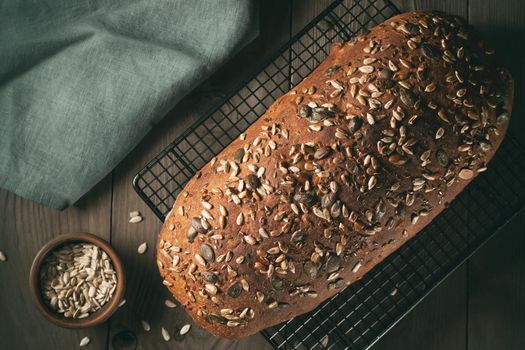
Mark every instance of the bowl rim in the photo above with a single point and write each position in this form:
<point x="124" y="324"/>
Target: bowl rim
<point x="99" y="316"/>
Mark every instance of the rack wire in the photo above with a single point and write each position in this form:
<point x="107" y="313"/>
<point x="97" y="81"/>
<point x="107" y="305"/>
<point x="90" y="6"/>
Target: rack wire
<point x="359" y="315"/>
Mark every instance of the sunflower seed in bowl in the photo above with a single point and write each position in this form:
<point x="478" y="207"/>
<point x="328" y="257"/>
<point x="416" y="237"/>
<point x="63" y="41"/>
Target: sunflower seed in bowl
<point x="77" y="279"/>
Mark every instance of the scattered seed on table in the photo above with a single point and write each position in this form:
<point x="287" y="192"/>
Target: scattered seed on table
<point x="185" y="329"/>
<point x="135" y="219"/>
<point x="3" y="257"/>
<point x="170" y="304"/>
<point x="324" y="341"/>
<point x="122" y="302"/>
<point x="142" y="248"/>
<point x="134" y="213"/>
<point x="85" y="341"/>
<point x="165" y="334"/>
<point x="145" y="325"/>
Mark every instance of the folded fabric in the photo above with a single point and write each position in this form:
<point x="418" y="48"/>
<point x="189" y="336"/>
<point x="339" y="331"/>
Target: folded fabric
<point x="81" y="82"/>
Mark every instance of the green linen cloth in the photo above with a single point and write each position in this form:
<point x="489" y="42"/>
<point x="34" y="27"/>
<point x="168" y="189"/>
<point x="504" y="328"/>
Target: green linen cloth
<point x="82" y="81"/>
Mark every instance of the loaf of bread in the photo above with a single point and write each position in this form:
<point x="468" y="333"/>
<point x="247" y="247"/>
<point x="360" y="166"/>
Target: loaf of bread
<point x="336" y="175"/>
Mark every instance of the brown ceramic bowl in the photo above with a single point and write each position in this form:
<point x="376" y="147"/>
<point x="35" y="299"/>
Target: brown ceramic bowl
<point x="97" y="317"/>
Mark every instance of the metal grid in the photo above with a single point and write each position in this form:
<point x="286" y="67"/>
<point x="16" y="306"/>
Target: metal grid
<point x="356" y="317"/>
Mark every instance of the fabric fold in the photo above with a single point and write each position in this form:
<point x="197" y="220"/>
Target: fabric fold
<point x="82" y="82"/>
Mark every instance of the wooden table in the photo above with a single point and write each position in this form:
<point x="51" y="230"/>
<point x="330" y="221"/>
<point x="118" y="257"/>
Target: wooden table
<point x="481" y="306"/>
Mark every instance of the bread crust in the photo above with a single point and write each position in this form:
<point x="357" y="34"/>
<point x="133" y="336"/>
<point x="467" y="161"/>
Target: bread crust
<point x="357" y="159"/>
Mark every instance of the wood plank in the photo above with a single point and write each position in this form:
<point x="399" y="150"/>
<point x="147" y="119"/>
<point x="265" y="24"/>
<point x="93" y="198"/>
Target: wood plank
<point x="303" y="11"/>
<point x="437" y="323"/>
<point x="24" y="228"/>
<point x="146" y="294"/>
<point x="458" y="8"/>
<point x="496" y="283"/>
<point x="454" y="7"/>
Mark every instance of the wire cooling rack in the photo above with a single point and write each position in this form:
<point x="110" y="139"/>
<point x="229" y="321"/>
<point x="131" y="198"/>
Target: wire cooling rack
<point x="358" y="316"/>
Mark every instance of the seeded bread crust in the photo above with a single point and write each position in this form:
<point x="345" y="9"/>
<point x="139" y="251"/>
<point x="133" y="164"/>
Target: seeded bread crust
<point x="336" y="175"/>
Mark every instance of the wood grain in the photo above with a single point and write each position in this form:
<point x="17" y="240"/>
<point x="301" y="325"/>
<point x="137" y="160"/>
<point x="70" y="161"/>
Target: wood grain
<point x="25" y="227"/>
<point x="458" y="8"/>
<point x="496" y="285"/>
<point x="303" y="11"/>
<point x="437" y="323"/>
<point x="455" y="7"/>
